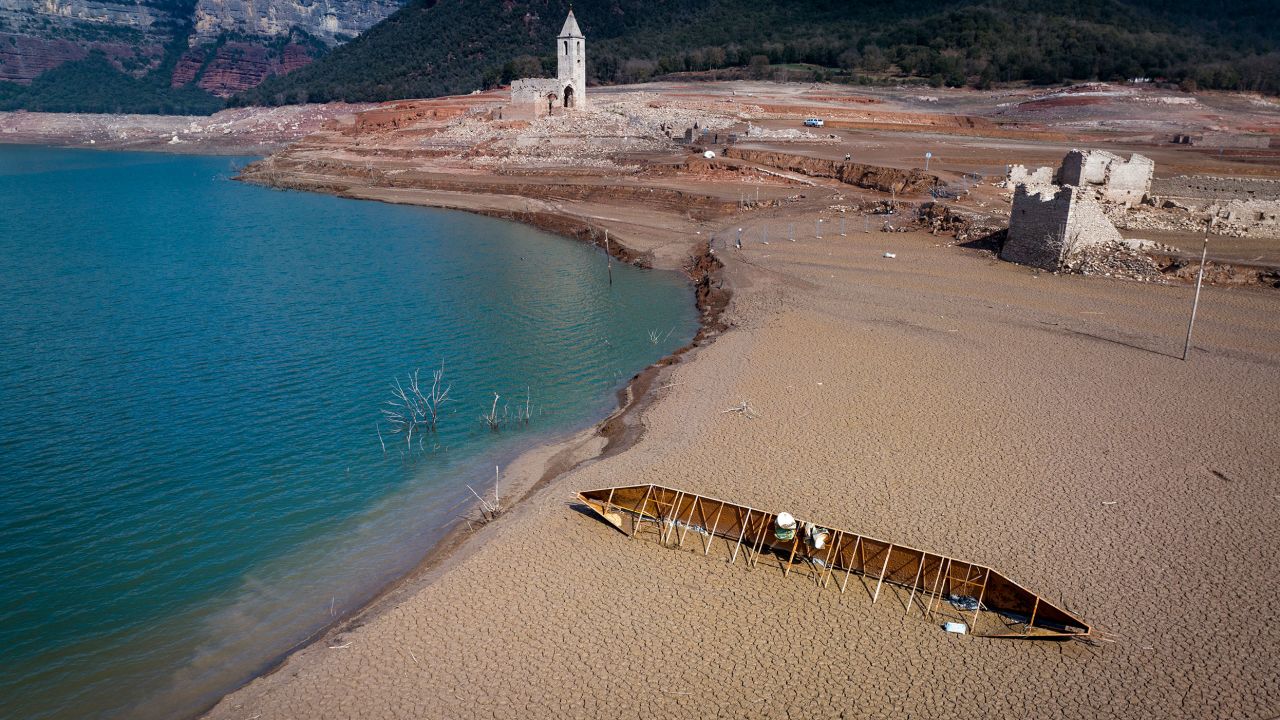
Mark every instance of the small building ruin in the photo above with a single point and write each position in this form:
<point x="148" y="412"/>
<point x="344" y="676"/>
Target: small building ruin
<point x="535" y="97"/>
<point x="1020" y="175"/>
<point x="1057" y="215"/>
<point x="1050" y="224"/>
<point x="1108" y="176"/>
<point x="1113" y="178"/>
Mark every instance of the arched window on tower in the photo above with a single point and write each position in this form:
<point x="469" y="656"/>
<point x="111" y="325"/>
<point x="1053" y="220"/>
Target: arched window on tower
<point x="566" y="47"/>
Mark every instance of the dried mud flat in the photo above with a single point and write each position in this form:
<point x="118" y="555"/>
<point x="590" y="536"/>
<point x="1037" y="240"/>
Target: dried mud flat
<point x="1040" y="424"/>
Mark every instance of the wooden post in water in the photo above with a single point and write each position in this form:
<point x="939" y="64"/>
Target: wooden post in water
<point x="1195" y="304"/>
<point x="606" y="252"/>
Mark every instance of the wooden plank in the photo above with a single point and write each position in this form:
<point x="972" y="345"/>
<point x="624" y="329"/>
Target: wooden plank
<point x="937" y="582"/>
<point x="743" y="521"/>
<point x="795" y="545"/>
<point x="883" y="569"/>
<point x="635" y="525"/>
<point x="945" y="577"/>
<point x="696" y="505"/>
<point x="759" y="543"/>
<point x="981" y="593"/>
<point x="849" y="569"/>
<point x="672" y="518"/>
<point x="711" y="531"/>
<point x="832" y="555"/>
<point x="914" y="583"/>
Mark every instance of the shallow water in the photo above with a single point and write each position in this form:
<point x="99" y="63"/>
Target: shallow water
<point x="191" y="371"/>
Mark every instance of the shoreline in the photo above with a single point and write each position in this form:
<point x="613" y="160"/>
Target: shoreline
<point x="902" y="385"/>
<point x="620" y="430"/>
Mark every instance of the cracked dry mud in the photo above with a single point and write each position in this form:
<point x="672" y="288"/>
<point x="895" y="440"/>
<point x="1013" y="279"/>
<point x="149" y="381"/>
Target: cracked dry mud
<point x="1039" y="424"/>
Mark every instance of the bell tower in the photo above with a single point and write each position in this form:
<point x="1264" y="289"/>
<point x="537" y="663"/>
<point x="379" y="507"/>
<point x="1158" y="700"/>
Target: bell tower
<point x="571" y="64"/>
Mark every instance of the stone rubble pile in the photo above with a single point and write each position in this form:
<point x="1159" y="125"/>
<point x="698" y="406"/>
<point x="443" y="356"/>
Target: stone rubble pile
<point x="634" y="123"/>
<point x="1114" y="259"/>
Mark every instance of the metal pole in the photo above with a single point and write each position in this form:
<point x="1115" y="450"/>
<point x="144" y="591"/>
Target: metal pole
<point x="1195" y="305"/>
<point x="739" y="238"/>
<point x="817" y="229"/>
<point x="791" y="229"/>
<point x="842" y="226"/>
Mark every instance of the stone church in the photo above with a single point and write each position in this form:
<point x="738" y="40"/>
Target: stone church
<point x="567" y="90"/>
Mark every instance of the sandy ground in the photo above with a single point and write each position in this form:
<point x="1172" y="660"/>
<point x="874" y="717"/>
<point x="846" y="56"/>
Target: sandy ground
<point x="1044" y="425"/>
<point x="937" y="398"/>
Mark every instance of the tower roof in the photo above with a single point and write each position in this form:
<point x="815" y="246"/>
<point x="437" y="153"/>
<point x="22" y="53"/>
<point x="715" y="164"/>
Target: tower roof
<point x="570" y="29"/>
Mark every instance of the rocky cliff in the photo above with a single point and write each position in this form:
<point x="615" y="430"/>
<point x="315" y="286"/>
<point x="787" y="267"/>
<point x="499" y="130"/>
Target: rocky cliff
<point x="220" y="46"/>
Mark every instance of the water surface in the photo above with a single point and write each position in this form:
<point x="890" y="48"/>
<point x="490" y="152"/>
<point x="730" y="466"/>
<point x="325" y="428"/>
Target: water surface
<point x="191" y="371"/>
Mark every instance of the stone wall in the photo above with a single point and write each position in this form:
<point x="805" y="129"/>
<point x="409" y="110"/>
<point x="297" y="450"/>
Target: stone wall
<point x="1037" y="227"/>
<point x="1111" y="176"/>
<point x="1048" y="225"/>
<point x="1021" y="175"/>
<point x="529" y="97"/>
<point x="1218" y="188"/>
<point x="1233" y="140"/>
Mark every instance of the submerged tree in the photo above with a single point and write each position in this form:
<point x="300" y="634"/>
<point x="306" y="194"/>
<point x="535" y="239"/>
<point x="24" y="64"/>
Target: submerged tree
<point x="413" y="411"/>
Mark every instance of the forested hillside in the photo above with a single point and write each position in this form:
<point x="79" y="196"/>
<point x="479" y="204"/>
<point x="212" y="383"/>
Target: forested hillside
<point x="434" y="47"/>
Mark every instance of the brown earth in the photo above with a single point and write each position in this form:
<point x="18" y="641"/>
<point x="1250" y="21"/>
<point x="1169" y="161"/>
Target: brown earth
<point x="1042" y="424"/>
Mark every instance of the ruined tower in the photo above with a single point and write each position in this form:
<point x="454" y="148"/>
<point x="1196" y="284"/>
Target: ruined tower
<point x="534" y="97"/>
<point x="571" y="65"/>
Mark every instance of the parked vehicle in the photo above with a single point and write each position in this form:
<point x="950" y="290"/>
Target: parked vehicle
<point x="814" y="122"/>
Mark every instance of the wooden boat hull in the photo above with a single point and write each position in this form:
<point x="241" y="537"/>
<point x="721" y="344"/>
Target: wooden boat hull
<point x="933" y="580"/>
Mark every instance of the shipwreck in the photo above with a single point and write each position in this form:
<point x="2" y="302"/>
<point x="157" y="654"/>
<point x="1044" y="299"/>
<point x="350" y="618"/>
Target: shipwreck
<point x="981" y="600"/>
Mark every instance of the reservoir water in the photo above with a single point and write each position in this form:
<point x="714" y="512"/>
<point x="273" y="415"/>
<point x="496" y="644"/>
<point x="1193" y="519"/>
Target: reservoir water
<point x="191" y="376"/>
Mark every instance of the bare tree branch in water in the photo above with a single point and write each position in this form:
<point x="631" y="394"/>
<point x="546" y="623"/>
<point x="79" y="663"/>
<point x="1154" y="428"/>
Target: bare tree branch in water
<point x="493" y="420"/>
<point x="413" y="411"/>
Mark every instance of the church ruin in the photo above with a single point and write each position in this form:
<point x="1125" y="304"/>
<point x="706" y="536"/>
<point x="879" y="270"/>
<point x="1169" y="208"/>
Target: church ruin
<point x="533" y="97"/>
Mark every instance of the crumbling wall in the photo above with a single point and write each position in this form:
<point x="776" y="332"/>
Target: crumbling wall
<point x="1129" y="182"/>
<point x="1048" y="225"/>
<point x="1207" y="187"/>
<point x="533" y="97"/>
<point x="1020" y="175"/>
<point x="1247" y="213"/>
<point x="1038" y="227"/>
<point x="1233" y="140"/>
<point x="1085" y="167"/>
<point x="1112" y="177"/>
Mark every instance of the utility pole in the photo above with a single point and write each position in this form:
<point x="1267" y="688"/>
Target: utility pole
<point x="1195" y="304"/>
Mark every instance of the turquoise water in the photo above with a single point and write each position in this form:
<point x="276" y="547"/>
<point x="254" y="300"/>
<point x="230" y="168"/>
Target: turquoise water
<point x="191" y="371"/>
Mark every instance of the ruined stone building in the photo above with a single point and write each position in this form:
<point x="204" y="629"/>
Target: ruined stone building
<point x="1058" y="214"/>
<point x="531" y="97"/>
<point x="1114" y="179"/>
<point x="1049" y="224"/>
